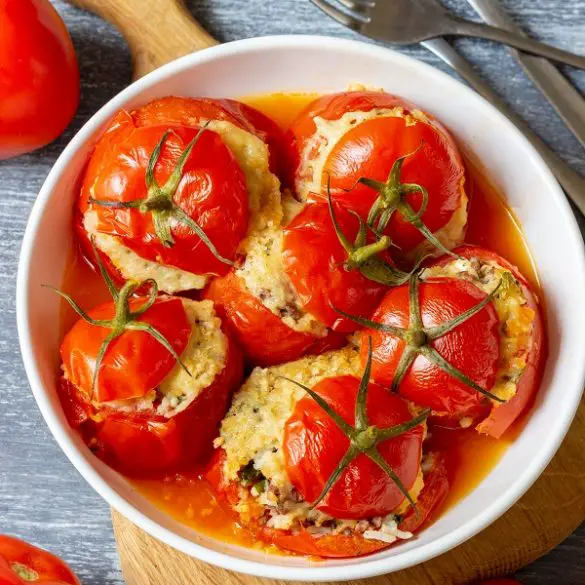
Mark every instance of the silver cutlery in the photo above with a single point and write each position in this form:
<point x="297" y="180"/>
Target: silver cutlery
<point x="572" y="183"/>
<point x="564" y="98"/>
<point x="406" y="22"/>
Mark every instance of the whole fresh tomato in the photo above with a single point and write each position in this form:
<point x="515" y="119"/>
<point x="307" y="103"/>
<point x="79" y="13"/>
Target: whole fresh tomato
<point x="329" y="271"/>
<point x="204" y="190"/>
<point x="39" y="78"/>
<point x="390" y="162"/>
<point x="22" y="563"/>
<point x="264" y="337"/>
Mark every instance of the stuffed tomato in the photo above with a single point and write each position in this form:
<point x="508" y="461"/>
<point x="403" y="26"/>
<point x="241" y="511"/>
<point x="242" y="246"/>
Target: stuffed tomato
<point x="388" y="160"/>
<point x="466" y="341"/>
<point x="147" y="379"/>
<point x="260" y="305"/>
<point x="304" y="469"/>
<point x="282" y="299"/>
<point x="334" y="262"/>
<point x="173" y="188"/>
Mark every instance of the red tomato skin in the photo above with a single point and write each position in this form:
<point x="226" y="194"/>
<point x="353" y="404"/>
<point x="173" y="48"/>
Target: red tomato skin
<point x="39" y="77"/>
<point x="366" y="151"/>
<point x="432" y="496"/>
<point x="263" y="336"/>
<point x="135" y="362"/>
<point x="314" y="445"/>
<point x="370" y="149"/>
<point x="313" y="260"/>
<point x="147" y="445"/>
<point x="270" y="132"/>
<point x="501" y="417"/>
<point x="76" y="408"/>
<point x="191" y="112"/>
<point x="424" y="383"/>
<point x="327" y="546"/>
<point x="213" y="192"/>
<point x="50" y="569"/>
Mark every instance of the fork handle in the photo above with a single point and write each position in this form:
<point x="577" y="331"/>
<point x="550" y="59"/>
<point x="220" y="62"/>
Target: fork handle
<point x="572" y="182"/>
<point x="558" y="90"/>
<point x="467" y="28"/>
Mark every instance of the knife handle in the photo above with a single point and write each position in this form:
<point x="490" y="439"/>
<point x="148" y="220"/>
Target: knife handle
<point x="157" y="31"/>
<point x="572" y="182"/>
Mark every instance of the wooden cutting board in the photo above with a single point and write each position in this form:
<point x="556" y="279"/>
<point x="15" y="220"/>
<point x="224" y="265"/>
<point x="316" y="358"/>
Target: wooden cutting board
<point x="158" y="31"/>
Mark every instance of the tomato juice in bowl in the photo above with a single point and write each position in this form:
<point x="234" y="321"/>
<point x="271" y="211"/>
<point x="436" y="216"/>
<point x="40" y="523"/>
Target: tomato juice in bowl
<point x="514" y="169"/>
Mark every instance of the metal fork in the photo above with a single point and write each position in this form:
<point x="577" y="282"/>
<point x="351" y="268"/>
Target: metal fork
<point x="556" y="88"/>
<point x="405" y="22"/>
<point x="572" y="183"/>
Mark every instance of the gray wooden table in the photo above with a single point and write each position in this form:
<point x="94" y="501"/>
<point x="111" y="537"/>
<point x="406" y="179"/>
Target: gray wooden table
<point x="42" y="498"/>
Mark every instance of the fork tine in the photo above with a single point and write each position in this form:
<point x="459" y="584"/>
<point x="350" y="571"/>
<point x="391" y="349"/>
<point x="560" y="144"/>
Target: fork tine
<point x="352" y="21"/>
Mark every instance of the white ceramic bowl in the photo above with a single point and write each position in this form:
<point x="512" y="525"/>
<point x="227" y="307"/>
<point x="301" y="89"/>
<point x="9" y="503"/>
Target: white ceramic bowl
<point x="324" y="65"/>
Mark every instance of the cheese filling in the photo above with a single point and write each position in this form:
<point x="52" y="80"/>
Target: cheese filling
<point x="516" y="318"/>
<point x="132" y="266"/>
<point x="264" y="506"/>
<point x="329" y="132"/>
<point x="205" y="357"/>
<point x="263" y="275"/>
<point x="264" y="200"/>
<point x="251" y="436"/>
<point x="262" y="501"/>
<point x="252" y="156"/>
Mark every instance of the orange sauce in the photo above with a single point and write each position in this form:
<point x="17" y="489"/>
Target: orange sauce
<point x="85" y="285"/>
<point x="190" y="500"/>
<point x="491" y="224"/>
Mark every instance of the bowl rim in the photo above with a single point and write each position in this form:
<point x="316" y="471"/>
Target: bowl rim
<point x="367" y="567"/>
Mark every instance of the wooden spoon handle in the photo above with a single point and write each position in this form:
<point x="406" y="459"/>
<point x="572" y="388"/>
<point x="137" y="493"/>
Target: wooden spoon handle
<point x="157" y="31"/>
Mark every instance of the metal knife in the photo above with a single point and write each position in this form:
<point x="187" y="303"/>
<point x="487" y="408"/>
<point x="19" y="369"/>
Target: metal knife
<point x="564" y="98"/>
<point x="572" y="182"/>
